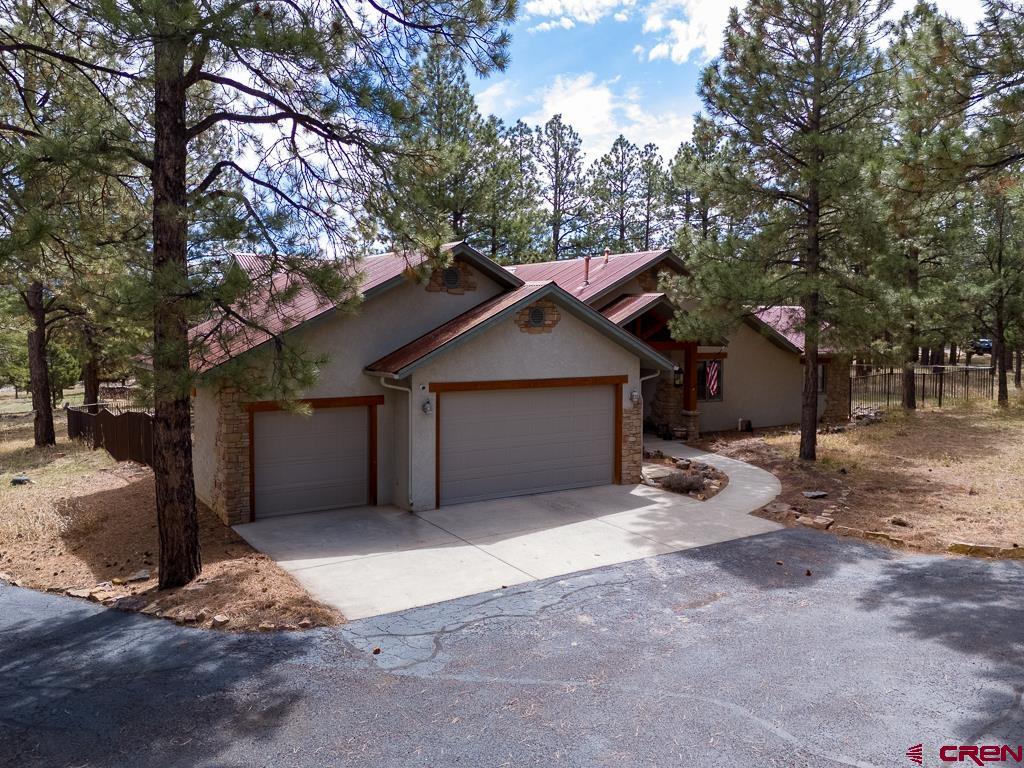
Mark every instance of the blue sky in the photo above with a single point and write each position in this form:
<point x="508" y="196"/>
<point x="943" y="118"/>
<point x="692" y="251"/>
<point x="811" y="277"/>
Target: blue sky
<point x="618" y="66"/>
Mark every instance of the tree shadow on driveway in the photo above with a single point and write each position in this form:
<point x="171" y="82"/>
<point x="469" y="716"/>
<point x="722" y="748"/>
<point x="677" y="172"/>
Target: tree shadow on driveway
<point x="974" y="608"/>
<point x="87" y="686"/>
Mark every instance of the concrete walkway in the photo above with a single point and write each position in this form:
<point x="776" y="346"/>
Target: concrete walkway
<point x="367" y="561"/>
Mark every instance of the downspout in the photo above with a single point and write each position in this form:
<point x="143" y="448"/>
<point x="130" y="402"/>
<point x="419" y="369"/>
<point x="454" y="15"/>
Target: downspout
<point x="408" y="438"/>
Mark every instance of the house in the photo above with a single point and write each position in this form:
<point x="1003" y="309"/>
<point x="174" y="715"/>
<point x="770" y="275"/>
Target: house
<point x="472" y="384"/>
<point x="755" y="375"/>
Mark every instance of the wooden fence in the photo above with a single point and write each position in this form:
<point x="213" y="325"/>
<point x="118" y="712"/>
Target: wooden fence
<point x="126" y="436"/>
<point x="935" y="387"/>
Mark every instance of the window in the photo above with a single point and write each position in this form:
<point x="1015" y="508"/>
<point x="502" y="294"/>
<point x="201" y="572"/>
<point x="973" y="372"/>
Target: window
<point x="709" y="380"/>
<point x="537" y="317"/>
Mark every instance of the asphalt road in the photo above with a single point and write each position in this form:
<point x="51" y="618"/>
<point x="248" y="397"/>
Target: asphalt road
<point x="716" y="656"/>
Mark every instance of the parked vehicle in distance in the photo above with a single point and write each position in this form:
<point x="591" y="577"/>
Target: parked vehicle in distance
<point x="982" y="346"/>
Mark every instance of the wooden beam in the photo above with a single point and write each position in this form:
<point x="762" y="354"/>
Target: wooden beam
<point x="690" y="376"/>
<point x="320" y="402"/>
<point x="712" y="355"/>
<point x="618" y="434"/>
<point x="474" y="386"/>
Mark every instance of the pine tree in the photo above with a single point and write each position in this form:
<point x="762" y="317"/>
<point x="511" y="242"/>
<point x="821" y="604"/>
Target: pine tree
<point x="615" y="191"/>
<point x="692" y="183"/>
<point x="798" y="95"/>
<point x="558" y="154"/>
<point x="652" y="201"/>
<point x="509" y="221"/>
<point x="259" y="125"/>
<point x="995" y="266"/>
<point x="441" y="172"/>
<point x="924" y="210"/>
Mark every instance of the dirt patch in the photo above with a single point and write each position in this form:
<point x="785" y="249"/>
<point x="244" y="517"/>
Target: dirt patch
<point x="86" y="523"/>
<point x="925" y="479"/>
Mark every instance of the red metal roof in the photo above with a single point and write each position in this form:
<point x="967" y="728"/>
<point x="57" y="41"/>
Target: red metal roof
<point x="430" y="342"/>
<point x="628" y="307"/>
<point x="788" y="322"/>
<point x="603" y="277"/>
<point x="217" y="340"/>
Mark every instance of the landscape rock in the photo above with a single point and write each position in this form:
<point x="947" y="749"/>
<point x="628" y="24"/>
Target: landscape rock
<point x="305" y="624"/>
<point x="818" y="522"/>
<point x="142" y="575"/>
<point x="845" y="530"/>
<point x="20" y="480"/>
<point x="986" y="550"/>
<point x="220" y="620"/>
<point x="815" y="494"/>
<point x="901" y="522"/>
<point x="102" y="595"/>
<point x="83" y="593"/>
<point x="267" y="626"/>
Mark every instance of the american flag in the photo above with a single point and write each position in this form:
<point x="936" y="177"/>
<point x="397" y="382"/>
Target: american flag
<point x="712" y="377"/>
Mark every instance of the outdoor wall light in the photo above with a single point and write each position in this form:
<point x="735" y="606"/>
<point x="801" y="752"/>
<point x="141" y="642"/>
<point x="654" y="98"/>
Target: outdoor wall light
<point x="634" y="396"/>
<point x="677" y="377"/>
<point x="428" y="407"/>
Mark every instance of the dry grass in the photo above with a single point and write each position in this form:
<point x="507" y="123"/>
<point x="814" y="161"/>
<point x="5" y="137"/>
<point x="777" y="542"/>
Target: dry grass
<point x="950" y="475"/>
<point x="86" y="520"/>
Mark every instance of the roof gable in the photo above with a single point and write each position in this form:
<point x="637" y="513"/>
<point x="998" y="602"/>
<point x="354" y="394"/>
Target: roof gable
<point x="603" y="277"/>
<point x="458" y="330"/>
<point x="225" y="338"/>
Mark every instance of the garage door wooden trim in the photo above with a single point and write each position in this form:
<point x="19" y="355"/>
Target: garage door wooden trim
<point x="472" y="386"/>
<point x="370" y="402"/>
<point x="438" y="388"/>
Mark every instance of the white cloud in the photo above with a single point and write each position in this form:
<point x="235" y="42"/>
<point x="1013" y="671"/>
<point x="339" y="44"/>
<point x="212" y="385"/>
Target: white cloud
<point x="563" y="23"/>
<point x="686" y="28"/>
<point x="622" y="16"/>
<point x="580" y="11"/>
<point x="600" y="110"/>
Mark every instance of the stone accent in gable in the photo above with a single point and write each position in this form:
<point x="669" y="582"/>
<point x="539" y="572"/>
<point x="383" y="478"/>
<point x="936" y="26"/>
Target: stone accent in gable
<point x="632" y="442"/>
<point x="544" y="310"/>
<point x="441" y="279"/>
<point x="230" y="500"/>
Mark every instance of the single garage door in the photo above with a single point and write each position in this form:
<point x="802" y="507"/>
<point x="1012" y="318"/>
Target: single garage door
<point x="511" y="442"/>
<point x="305" y="463"/>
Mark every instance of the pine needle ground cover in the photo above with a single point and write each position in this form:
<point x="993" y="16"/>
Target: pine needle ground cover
<point x="929" y="478"/>
<point x="86" y="521"/>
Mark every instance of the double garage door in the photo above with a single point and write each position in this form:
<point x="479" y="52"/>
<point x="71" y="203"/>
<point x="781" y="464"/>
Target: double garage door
<point x="491" y="444"/>
<point x="510" y="442"/>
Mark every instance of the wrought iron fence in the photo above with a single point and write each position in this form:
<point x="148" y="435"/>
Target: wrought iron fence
<point x="935" y="386"/>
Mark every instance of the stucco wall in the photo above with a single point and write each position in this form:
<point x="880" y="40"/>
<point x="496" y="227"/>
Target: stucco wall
<point x="761" y="382"/>
<point x="351" y="341"/>
<point x="205" y="415"/>
<point x="504" y="352"/>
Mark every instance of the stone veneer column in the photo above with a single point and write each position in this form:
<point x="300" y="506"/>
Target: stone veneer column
<point x="837" y="391"/>
<point x="231" y="452"/>
<point x="632" y="442"/>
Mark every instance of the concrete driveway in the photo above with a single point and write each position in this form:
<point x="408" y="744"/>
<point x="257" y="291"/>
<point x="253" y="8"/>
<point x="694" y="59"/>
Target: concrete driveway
<point x="367" y="561"/>
<point x="712" y="657"/>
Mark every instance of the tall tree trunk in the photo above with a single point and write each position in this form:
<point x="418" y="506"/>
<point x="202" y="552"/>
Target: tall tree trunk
<point x="177" y="522"/>
<point x="1016" y="369"/>
<point x="91" y="371"/>
<point x="812" y="326"/>
<point x="954" y="354"/>
<point x="999" y="356"/>
<point x="912" y="356"/>
<point x="38" y="368"/>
